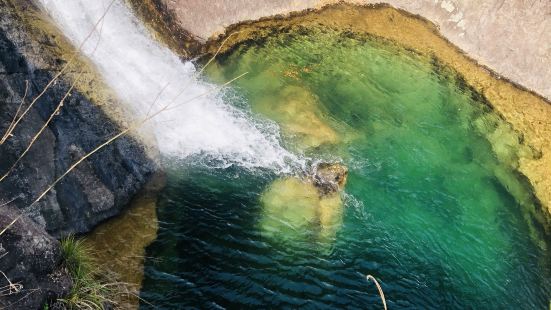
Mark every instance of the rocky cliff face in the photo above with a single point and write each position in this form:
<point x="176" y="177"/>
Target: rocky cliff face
<point x="30" y="261"/>
<point x="94" y="191"/>
<point x="97" y="189"/>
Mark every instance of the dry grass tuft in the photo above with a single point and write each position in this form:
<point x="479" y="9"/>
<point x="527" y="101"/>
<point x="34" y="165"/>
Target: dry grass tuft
<point x="93" y="288"/>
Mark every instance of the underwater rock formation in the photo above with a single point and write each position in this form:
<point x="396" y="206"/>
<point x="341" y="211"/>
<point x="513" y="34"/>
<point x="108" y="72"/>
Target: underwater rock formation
<point x="471" y="26"/>
<point x="310" y="207"/>
<point x="120" y="242"/>
<point x="527" y="113"/>
<point x="300" y="118"/>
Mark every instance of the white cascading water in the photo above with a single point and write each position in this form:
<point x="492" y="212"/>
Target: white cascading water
<point x="138" y="68"/>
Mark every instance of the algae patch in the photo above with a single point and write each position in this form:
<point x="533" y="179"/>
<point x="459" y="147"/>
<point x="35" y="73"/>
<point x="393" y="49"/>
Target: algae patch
<point x="293" y="210"/>
<point x="297" y="110"/>
<point x="528" y="114"/>
<point x="308" y="208"/>
<point x="119" y="244"/>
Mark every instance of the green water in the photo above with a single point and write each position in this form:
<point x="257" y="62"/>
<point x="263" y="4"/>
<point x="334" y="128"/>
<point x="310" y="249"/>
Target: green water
<point x="432" y="207"/>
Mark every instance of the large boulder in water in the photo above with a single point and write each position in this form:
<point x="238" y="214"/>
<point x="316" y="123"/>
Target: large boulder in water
<point x="329" y="178"/>
<point x="300" y="115"/>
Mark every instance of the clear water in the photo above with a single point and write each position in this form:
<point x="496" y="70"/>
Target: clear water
<point x="432" y="207"/>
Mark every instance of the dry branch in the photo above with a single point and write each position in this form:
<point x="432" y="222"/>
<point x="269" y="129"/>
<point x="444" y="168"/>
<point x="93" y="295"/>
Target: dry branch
<point x="54" y="79"/>
<point x="12" y="124"/>
<point x="54" y="113"/>
<point x="11" y="288"/>
<point x="370" y="277"/>
<point x="10" y="225"/>
<point x="37" y="135"/>
<point x="196" y="74"/>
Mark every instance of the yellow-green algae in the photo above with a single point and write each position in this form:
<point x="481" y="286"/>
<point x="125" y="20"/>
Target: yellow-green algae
<point x="298" y="113"/>
<point x="119" y="245"/>
<point x="294" y="209"/>
<point x="425" y="209"/>
<point x="528" y="114"/>
<point x="429" y="200"/>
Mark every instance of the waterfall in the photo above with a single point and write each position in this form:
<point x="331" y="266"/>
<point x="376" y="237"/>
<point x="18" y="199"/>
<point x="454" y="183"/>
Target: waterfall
<point x="139" y="69"/>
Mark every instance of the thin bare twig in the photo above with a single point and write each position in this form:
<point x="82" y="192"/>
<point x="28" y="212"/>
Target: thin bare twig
<point x="122" y="133"/>
<point x="169" y="107"/>
<point x="30" y="291"/>
<point x="69" y="62"/>
<point x="196" y="74"/>
<point x="44" y="126"/>
<point x="11" y="288"/>
<point x="10" y="225"/>
<point x="12" y="124"/>
<point x="370" y="277"/>
<point x="8" y="202"/>
<point x="52" y="115"/>
<point x="156" y="98"/>
<point x="217" y="51"/>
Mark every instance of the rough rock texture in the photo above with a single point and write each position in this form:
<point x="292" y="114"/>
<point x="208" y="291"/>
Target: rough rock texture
<point x="30" y="260"/>
<point x="31" y="52"/>
<point x="329" y="178"/>
<point x="513" y="37"/>
<point x="97" y="189"/>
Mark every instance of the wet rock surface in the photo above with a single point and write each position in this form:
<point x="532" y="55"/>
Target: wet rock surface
<point x="30" y="262"/>
<point x="311" y="205"/>
<point x="329" y="178"/>
<point x="97" y="189"/>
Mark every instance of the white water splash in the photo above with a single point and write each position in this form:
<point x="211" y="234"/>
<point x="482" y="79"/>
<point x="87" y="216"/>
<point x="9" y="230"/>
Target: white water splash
<point x="138" y="68"/>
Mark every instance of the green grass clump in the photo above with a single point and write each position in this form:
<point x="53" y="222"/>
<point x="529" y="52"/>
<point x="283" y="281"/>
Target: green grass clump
<point x="90" y="290"/>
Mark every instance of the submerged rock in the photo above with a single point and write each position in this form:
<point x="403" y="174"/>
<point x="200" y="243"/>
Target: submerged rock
<point x="309" y="207"/>
<point x="120" y="243"/>
<point x="298" y="112"/>
<point x="329" y="178"/>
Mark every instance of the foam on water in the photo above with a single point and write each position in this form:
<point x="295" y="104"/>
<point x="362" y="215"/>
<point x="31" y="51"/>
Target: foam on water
<point x="138" y="69"/>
